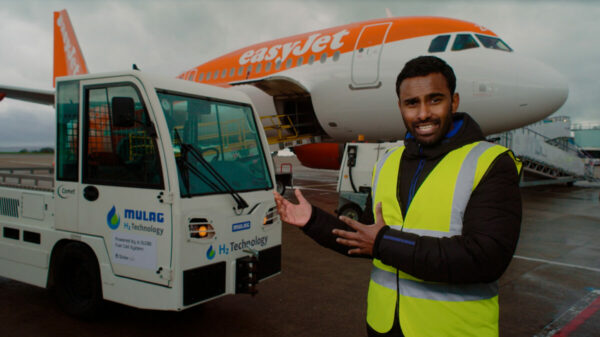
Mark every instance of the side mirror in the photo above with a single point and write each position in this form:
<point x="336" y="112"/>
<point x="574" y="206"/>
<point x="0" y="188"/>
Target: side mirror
<point x="123" y="110"/>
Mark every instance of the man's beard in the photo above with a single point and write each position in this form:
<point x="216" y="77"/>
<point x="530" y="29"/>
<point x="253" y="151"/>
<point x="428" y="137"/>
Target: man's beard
<point x="445" y="126"/>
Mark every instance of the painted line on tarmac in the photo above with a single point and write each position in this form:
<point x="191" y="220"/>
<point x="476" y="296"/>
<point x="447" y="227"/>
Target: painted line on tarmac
<point x="557" y="263"/>
<point x="319" y="185"/>
<point x="575" y="316"/>
<point x="314" y="189"/>
<point x="27" y="162"/>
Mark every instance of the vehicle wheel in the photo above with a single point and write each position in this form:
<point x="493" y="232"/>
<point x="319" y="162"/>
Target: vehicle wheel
<point x="352" y="211"/>
<point x="77" y="288"/>
<point x="280" y="187"/>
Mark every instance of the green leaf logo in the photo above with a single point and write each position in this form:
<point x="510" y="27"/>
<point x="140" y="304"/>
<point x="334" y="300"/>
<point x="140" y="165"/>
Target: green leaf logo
<point x="210" y="253"/>
<point x="112" y="219"/>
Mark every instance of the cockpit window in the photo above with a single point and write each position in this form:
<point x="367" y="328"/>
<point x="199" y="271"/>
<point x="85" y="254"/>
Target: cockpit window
<point x="464" y="41"/>
<point x="439" y="43"/>
<point x="493" y="42"/>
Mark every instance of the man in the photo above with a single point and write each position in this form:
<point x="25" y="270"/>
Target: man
<point x="447" y="217"/>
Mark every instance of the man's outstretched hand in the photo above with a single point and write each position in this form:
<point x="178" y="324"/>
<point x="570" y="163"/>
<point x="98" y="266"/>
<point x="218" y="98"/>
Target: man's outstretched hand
<point x="294" y="214"/>
<point x="363" y="239"/>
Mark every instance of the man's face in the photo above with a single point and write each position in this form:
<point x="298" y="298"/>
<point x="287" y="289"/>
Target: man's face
<point x="427" y="107"/>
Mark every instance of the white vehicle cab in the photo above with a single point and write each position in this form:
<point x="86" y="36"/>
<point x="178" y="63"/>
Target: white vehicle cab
<point x="163" y="197"/>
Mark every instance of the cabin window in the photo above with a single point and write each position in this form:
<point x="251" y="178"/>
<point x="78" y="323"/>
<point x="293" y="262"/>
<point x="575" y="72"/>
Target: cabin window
<point x="208" y="76"/>
<point x="464" y="41"/>
<point x="232" y="72"/>
<point x="493" y="42"/>
<point x="439" y="43"/>
<point x="323" y="57"/>
<point x="311" y="59"/>
<point x="336" y="55"/>
<point x="300" y="60"/>
<point x="241" y="71"/>
<point x="248" y="70"/>
<point x="288" y="63"/>
<point x="278" y="65"/>
<point x="200" y="77"/>
<point x="119" y="148"/>
<point x="258" y="68"/>
<point x="224" y="73"/>
<point x="268" y="66"/>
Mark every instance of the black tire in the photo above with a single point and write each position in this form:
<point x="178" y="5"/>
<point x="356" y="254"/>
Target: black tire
<point x="280" y="187"/>
<point x="77" y="284"/>
<point x="352" y="211"/>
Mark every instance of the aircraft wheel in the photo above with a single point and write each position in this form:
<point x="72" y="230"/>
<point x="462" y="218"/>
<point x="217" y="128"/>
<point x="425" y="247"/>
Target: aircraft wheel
<point x="78" y="289"/>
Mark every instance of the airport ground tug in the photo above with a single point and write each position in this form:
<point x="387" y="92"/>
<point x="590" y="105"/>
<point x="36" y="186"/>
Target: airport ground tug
<point x="162" y="198"/>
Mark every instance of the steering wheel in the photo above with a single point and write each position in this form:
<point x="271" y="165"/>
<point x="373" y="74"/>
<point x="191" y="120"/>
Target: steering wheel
<point x="211" y="149"/>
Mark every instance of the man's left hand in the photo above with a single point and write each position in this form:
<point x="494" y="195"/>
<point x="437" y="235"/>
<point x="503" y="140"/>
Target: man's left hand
<point x="364" y="238"/>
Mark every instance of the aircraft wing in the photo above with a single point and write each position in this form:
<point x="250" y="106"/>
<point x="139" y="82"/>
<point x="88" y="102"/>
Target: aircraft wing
<point x="26" y="94"/>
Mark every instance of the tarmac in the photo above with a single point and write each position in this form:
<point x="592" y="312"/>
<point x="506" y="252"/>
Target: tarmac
<point x="551" y="288"/>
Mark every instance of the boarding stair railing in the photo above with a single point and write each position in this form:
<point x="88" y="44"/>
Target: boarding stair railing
<point x="555" y="160"/>
<point x="282" y="132"/>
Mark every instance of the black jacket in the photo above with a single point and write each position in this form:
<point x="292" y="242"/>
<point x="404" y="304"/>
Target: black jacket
<point x="491" y="222"/>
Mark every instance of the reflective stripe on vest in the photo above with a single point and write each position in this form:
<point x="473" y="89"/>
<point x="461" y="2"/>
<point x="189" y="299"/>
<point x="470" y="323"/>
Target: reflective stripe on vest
<point x="448" y="186"/>
<point x="434" y="291"/>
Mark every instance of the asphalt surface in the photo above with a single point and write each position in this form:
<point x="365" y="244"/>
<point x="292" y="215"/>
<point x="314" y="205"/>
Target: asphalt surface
<point x="549" y="285"/>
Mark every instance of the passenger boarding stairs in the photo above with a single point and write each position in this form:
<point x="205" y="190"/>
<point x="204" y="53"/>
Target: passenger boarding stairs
<point x="547" y="153"/>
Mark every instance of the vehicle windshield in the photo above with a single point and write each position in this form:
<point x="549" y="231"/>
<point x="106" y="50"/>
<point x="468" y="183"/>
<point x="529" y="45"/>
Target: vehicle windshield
<point x="226" y="136"/>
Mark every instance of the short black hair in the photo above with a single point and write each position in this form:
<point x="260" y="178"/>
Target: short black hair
<point x="423" y="66"/>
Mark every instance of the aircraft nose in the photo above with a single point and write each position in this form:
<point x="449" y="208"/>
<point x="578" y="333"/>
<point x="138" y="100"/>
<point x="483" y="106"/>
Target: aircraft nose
<point x="541" y="89"/>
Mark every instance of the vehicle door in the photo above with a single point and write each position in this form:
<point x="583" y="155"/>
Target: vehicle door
<point x="123" y="180"/>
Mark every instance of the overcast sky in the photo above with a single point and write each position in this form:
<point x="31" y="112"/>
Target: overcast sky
<point x="169" y="37"/>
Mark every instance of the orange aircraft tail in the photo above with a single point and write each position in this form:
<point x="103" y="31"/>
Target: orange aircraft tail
<point x="68" y="58"/>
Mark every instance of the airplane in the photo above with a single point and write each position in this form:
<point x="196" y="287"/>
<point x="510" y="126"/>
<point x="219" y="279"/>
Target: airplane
<point x="321" y="88"/>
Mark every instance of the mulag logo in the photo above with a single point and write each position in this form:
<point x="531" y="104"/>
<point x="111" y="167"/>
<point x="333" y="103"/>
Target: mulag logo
<point x="112" y="219"/>
<point x="240" y="226"/>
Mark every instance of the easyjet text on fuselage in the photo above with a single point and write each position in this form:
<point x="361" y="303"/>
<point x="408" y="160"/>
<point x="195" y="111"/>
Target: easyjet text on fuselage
<point x="315" y="43"/>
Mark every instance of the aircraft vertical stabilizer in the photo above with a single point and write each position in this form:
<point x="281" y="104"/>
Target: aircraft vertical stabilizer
<point x="68" y="58"/>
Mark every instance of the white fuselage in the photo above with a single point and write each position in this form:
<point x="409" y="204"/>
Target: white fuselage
<point x="351" y="96"/>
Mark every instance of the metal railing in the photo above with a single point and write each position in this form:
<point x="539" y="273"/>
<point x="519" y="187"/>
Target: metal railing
<point x="279" y="126"/>
<point x="9" y="175"/>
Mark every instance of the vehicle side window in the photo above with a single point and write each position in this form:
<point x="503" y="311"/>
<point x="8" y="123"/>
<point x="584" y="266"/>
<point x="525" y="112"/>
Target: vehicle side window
<point x="67" y="134"/>
<point x="464" y="41"/>
<point x="120" y="149"/>
<point x="439" y="43"/>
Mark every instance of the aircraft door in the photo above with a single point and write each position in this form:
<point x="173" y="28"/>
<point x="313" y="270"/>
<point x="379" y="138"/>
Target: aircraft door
<point x="122" y="182"/>
<point x="367" y="54"/>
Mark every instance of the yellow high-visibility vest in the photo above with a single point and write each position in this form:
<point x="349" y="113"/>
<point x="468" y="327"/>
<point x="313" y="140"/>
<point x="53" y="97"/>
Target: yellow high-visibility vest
<point x="437" y="209"/>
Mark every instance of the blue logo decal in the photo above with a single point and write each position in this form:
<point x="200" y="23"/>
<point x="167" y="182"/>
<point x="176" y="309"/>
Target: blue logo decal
<point x="240" y="226"/>
<point x="112" y="219"/>
<point x="210" y="253"/>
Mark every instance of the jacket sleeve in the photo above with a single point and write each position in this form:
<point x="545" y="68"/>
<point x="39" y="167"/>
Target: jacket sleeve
<point x="319" y="228"/>
<point x="491" y="226"/>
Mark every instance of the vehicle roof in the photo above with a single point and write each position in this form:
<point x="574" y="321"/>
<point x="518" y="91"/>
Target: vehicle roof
<point x="170" y="84"/>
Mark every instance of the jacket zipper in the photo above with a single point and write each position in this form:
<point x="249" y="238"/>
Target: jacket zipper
<point x="413" y="183"/>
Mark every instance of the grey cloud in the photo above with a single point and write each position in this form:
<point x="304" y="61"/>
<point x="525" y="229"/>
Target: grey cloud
<point x="169" y="37"/>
